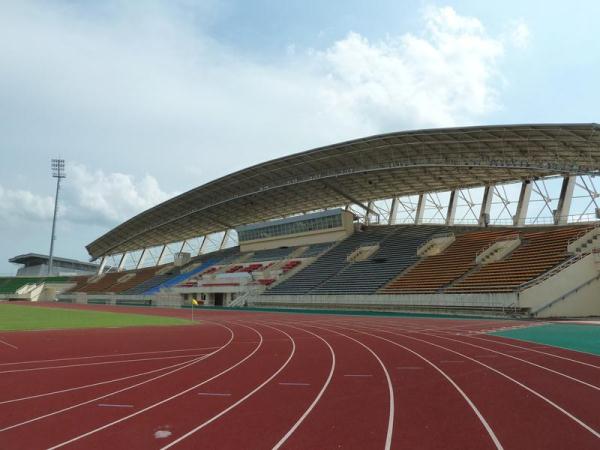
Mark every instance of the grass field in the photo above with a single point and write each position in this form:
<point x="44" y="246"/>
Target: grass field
<point x="21" y="318"/>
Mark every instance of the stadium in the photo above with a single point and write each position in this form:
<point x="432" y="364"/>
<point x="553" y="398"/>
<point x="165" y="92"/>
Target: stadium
<point x="339" y="294"/>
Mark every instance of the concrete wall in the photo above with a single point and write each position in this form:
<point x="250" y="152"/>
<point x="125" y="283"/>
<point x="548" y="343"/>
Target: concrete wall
<point x="583" y="303"/>
<point x="504" y="300"/>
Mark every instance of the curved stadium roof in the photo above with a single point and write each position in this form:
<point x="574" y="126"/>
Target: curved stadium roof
<point x="371" y="168"/>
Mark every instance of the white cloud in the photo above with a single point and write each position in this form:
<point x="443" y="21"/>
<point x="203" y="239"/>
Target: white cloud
<point x="519" y="34"/>
<point x="89" y="197"/>
<point x="109" y="198"/>
<point x="23" y="205"/>
<point x="444" y="77"/>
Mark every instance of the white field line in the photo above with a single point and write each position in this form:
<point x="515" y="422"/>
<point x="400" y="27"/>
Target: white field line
<point x="113" y="355"/>
<point x="96" y="384"/>
<point x="110" y="394"/>
<point x="120" y="361"/>
<point x="244" y="398"/>
<point x="497" y="352"/>
<point x="154" y="405"/>
<point x="524" y="386"/>
<point x="113" y="405"/>
<point x="390" y="424"/>
<point x="534" y="350"/>
<point x="556" y="372"/>
<point x="319" y="395"/>
<point x="9" y="345"/>
<point x="482" y="419"/>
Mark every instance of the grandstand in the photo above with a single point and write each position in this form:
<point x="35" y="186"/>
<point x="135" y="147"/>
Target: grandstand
<point x="386" y="222"/>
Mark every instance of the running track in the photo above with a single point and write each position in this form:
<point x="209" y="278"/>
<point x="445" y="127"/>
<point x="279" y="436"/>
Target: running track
<point x="251" y="380"/>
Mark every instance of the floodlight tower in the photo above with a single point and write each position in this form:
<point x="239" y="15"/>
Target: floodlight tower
<point x="58" y="172"/>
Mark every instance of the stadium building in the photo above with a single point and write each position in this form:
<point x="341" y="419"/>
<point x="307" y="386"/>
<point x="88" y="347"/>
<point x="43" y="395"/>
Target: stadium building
<point x="487" y="220"/>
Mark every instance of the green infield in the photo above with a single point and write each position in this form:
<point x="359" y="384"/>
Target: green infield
<point x="583" y="338"/>
<point x="23" y="318"/>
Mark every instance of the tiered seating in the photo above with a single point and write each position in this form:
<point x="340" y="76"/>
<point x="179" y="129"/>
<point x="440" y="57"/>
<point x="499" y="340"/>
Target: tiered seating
<point x="138" y="277"/>
<point x="102" y="284"/>
<point x="271" y="254"/>
<point x="234" y="269"/>
<point x="330" y="263"/>
<point x="316" y="250"/>
<point x="538" y="253"/>
<point x="397" y="251"/>
<point x="250" y="268"/>
<point x="12" y="284"/>
<point x="432" y="273"/>
<point x="290" y="265"/>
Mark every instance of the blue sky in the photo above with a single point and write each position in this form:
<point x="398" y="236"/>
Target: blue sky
<point x="149" y="99"/>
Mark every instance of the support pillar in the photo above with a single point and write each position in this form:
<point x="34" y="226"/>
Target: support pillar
<point x="420" y="210"/>
<point x="393" y="211"/>
<point x="225" y="236"/>
<point x="142" y="258"/>
<point x="201" y="245"/>
<point x="452" y="208"/>
<point x="121" y="262"/>
<point x="523" y="206"/>
<point x="160" y="256"/>
<point x="486" y="206"/>
<point x="102" y="265"/>
<point x="561" y="215"/>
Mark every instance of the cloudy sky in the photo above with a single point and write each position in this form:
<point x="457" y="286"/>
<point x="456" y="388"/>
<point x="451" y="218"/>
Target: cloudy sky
<point x="149" y="99"/>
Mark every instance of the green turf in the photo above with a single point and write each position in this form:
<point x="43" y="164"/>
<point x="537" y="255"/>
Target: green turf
<point x="19" y="318"/>
<point x="583" y="338"/>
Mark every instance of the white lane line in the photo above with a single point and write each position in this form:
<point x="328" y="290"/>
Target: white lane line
<point x="484" y="422"/>
<point x="154" y="405"/>
<point x="496" y="352"/>
<point x="9" y="345"/>
<point x="358" y="375"/>
<point x="214" y="394"/>
<point x="294" y="384"/>
<point x="100" y="383"/>
<point x="251" y="393"/>
<point x="390" y="424"/>
<point x="524" y="386"/>
<point x="114" y="405"/>
<point x="99" y="363"/>
<point x="113" y="355"/>
<point x="319" y="395"/>
<point x="532" y="349"/>
<point x="110" y="394"/>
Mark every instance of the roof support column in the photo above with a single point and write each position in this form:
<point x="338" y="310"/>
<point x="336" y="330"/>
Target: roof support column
<point x="142" y="258"/>
<point x="121" y="262"/>
<point x="393" y="211"/>
<point x="201" y="245"/>
<point x="420" y="210"/>
<point x="161" y="254"/>
<point x="368" y="212"/>
<point x="225" y="236"/>
<point x="523" y="206"/>
<point x="452" y="208"/>
<point x="486" y="206"/>
<point x="561" y="215"/>
<point x="182" y="246"/>
<point x="102" y="265"/>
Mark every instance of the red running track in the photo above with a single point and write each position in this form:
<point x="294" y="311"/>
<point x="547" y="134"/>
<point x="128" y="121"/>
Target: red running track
<point x="258" y="380"/>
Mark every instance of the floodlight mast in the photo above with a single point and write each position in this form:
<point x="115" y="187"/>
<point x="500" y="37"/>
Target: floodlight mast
<point x="58" y="172"/>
